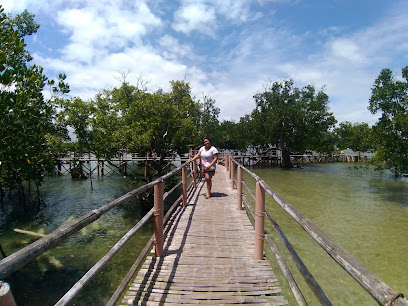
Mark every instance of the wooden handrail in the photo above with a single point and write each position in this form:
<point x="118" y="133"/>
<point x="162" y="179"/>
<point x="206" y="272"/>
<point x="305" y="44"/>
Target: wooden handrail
<point x="380" y="291"/>
<point x="281" y="262"/>
<point x="20" y="258"/>
<point x="116" y="295"/>
<point x="103" y="261"/>
<point x="108" y="256"/>
<point x="310" y="280"/>
<point x="308" y="277"/>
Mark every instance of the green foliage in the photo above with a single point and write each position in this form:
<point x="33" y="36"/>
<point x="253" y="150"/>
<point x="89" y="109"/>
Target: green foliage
<point x="159" y="123"/>
<point x="228" y="135"/>
<point x="209" y="124"/>
<point x="245" y="133"/>
<point x="106" y="126"/>
<point x="133" y="120"/>
<point x="390" y="98"/>
<point x="24" y="23"/>
<point x="27" y="118"/>
<point x="76" y="114"/>
<point x="357" y="137"/>
<point x="295" y="120"/>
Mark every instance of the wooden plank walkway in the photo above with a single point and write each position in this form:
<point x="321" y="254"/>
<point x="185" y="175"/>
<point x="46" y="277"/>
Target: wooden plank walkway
<point x="208" y="256"/>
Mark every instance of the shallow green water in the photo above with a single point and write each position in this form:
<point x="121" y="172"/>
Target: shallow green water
<point x="364" y="211"/>
<point x="45" y="280"/>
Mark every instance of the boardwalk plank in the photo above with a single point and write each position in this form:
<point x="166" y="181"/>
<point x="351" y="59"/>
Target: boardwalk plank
<point x="208" y="257"/>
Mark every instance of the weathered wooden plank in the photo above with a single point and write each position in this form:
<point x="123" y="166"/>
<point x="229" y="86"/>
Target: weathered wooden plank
<point x="219" y="261"/>
<point x="207" y="258"/>
<point x="196" y="291"/>
<point x="198" y="286"/>
<point x="220" y="281"/>
<point x="208" y="297"/>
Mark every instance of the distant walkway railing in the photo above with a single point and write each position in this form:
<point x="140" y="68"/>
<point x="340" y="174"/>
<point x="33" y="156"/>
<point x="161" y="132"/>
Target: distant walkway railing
<point x="274" y="157"/>
<point x="380" y="291"/>
<point x="20" y="258"/>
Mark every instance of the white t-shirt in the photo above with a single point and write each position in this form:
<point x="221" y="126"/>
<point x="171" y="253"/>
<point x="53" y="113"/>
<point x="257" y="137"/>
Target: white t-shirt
<point x="207" y="156"/>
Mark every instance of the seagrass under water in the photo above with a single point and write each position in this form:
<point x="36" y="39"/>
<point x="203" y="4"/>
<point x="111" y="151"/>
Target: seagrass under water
<point x="208" y="257"/>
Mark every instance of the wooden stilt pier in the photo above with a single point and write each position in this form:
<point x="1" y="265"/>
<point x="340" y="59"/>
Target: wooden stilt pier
<point x="208" y="256"/>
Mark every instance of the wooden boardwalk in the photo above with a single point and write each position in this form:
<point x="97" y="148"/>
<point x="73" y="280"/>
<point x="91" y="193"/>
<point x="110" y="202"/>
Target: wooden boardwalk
<point x="208" y="256"/>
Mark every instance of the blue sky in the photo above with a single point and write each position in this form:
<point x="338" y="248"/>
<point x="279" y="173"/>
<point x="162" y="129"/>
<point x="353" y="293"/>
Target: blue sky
<point x="227" y="49"/>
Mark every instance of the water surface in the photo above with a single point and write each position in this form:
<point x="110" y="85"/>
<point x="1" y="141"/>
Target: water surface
<point x="45" y="280"/>
<point x="364" y="211"/>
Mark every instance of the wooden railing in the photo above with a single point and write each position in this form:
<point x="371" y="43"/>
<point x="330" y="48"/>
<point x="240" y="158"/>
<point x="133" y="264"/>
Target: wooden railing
<point x="20" y="258"/>
<point x="380" y="291"/>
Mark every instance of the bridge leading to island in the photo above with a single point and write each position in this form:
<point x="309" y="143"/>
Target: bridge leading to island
<point x="207" y="251"/>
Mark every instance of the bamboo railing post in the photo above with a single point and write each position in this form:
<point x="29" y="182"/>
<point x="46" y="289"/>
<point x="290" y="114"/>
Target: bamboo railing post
<point x="195" y="174"/>
<point x="6" y="297"/>
<point x="239" y="187"/>
<point x="146" y="165"/>
<point x="230" y="167"/>
<point x="158" y="218"/>
<point x="232" y="174"/>
<point x="184" y="185"/>
<point x="259" y="221"/>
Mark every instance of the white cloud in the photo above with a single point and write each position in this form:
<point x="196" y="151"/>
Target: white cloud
<point x="15" y="7"/>
<point x="238" y="10"/>
<point x="134" y="62"/>
<point x="203" y="15"/>
<point x="107" y="38"/>
<point x="346" y="49"/>
<point x="197" y="17"/>
<point x="263" y="2"/>
<point x="235" y="100"/>
<point x="172" y="49"/>
<point x="108" y="25"/>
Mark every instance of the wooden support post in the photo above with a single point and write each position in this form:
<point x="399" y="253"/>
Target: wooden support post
<point x="195" y="174"/>
<point x="226" y="161"/>
<point x="184" y="185"/>
<point x="6" y="297"/>
<point x="158" y="218"/>
<point x="239" y="188"/>
<point x="200" y="168"/>
<point x="232" y="167"/>
<point x="259" y="222"/>
<point x="146" y="165"/>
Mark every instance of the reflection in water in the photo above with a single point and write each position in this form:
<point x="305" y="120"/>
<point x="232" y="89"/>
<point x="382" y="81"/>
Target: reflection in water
<point x="364" y="211"/>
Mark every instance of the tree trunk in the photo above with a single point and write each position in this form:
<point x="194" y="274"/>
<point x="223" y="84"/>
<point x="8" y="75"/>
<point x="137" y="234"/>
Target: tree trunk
<point x="38" y="194"/>
<point x="22" y="197"/>
<point x="2" y="252"/>
<point x="1" y="196"/>
<point x="161" y="163"/>
<point x="285" y="162"/>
